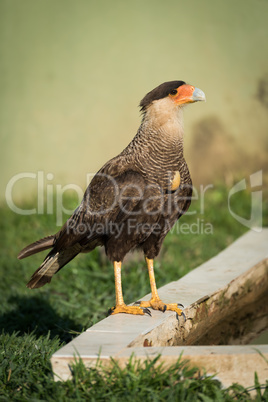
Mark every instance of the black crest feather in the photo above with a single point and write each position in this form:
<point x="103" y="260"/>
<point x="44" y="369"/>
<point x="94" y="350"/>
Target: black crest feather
<point x="159" y="92"/>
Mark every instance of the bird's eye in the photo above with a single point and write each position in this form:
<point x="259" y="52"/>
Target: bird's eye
<point x="173" y="92"/>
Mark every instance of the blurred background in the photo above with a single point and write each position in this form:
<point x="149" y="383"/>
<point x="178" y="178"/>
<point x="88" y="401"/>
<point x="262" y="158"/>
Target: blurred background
<point x="73" y="73"/>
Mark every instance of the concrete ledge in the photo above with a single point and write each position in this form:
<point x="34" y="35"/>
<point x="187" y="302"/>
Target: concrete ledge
<point x="238" y="276"/>
<point x="230" y="363"/>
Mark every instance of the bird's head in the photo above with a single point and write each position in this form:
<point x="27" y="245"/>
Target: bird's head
<point x="162" y="106"/>
<point x="175" y="93"/>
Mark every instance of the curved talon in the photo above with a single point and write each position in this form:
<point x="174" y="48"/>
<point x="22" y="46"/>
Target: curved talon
<point x="165" y="307"/>
<point x="182" y="313"/>
<point x="146" y="310"/>
<point x="137" y="302"/>
<point x="180" y="305"/>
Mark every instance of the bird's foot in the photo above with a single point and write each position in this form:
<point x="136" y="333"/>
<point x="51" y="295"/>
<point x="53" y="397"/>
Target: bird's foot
<point x="123" y="308"/>
<point x="157" y="304"/>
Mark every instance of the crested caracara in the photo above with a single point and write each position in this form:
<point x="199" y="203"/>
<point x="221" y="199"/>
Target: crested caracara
<point x="134" y="199"/>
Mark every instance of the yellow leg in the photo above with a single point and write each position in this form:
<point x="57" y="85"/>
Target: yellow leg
<point x="150" y="266"/>
<point x="155" y="302"/>
<point x="120" y="306"/>
<point x="118" y="284"/>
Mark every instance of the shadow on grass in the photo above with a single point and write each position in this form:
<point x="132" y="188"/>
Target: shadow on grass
<point x="36" y="314"/>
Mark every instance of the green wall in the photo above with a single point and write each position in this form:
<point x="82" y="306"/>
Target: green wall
<point x="74" y="71"/>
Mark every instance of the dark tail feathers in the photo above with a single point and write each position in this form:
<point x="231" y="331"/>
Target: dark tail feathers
<point x="36" y="247"/>
<point x="53" y="262"/>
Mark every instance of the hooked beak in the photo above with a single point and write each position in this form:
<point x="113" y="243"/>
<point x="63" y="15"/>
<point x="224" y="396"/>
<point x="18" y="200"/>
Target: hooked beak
<point x="198" y="95"/>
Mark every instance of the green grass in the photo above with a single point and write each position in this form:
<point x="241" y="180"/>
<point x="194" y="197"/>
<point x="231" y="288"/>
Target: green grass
<point x="35" y="323"/>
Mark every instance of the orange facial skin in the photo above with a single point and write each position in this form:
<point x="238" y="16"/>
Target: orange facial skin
<point x="187" y="94"/>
